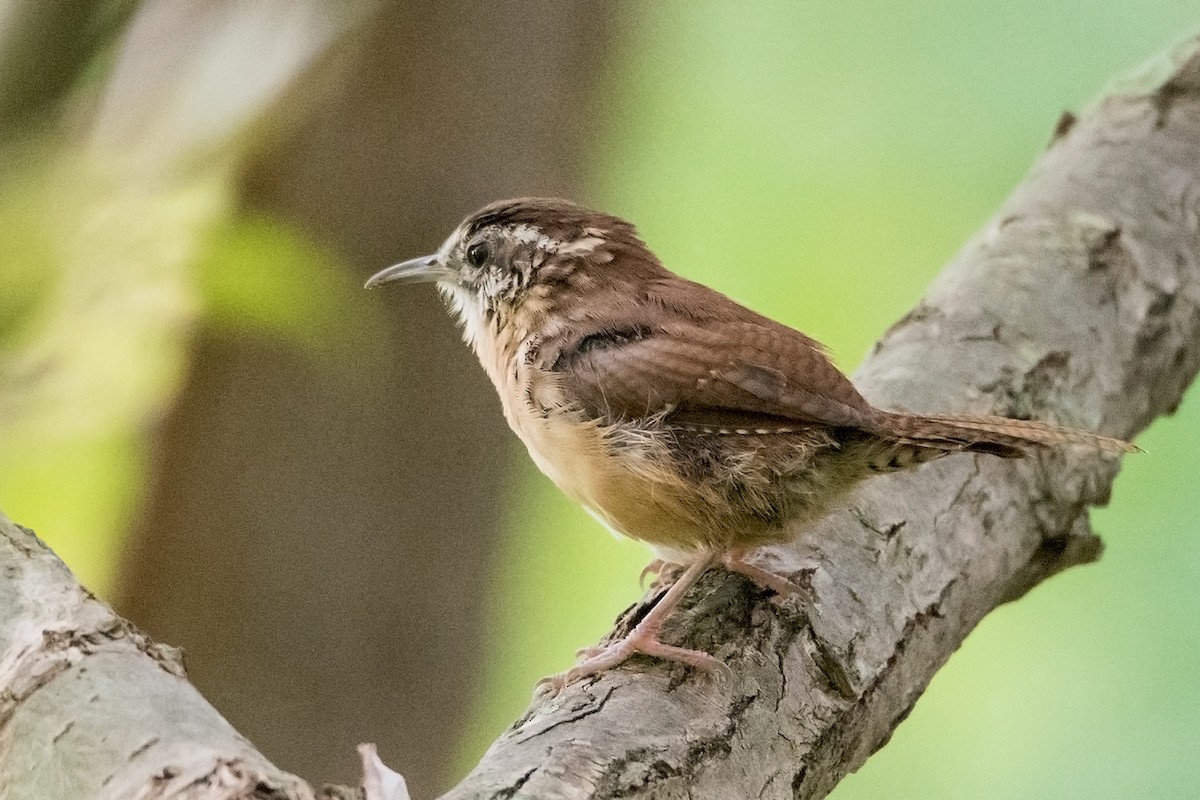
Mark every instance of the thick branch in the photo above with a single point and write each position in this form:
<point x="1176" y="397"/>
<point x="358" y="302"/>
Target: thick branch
<point x="1077" y="303"/>
<point x="91" y="708"/>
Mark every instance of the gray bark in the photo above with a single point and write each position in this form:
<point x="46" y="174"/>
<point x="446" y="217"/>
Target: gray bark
<point x="1078" y="303"/>
<point x="91" y="709"/>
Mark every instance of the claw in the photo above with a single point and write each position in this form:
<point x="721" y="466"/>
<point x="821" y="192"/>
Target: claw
<point x="550" y="685"/>
<point x="585" y="653"/>
<point x="665" y="572"/>
<point x="653" y="568"/>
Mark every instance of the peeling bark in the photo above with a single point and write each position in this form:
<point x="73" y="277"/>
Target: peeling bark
<point x="1077" y="303"/>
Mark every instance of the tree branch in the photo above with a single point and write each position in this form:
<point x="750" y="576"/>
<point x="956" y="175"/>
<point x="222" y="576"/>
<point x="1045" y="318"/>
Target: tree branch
<point x="92" y="709"/>
<point x="1076" y="303"/>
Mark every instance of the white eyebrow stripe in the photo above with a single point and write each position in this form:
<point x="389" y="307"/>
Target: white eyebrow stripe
<point x="580" y="246"/>
<point x="531" y="234"/>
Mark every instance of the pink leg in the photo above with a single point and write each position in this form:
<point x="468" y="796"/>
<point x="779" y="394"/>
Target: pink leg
<point x="735" y="561"/>
<point x="644" y="637"/>
<point x="665" y="573"/>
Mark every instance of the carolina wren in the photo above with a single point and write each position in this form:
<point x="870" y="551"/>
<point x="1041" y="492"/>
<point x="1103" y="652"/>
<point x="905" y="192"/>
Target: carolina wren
<point x="674" y="415"/>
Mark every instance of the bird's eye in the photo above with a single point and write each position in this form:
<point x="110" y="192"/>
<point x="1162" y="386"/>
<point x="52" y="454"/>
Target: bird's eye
<point x="477" y="254"/>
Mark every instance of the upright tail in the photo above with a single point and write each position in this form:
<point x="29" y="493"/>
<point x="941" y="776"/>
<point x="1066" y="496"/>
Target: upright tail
<point x="1000" y="436"/>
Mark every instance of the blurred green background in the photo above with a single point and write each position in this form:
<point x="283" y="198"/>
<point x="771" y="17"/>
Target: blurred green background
<point x="309" y="487"/>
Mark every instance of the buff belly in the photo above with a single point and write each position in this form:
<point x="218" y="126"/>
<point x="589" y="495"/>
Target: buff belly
<point x="642" y="480"/>
<point x="628" y="480"/>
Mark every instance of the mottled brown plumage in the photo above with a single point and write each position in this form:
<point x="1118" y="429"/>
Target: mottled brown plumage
<point x="675" y="415"/>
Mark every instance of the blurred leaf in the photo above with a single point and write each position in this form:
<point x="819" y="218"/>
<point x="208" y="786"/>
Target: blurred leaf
<point x="95" y="348"/>
<point x="260" y="275"/>
<point x="26" y="269"/>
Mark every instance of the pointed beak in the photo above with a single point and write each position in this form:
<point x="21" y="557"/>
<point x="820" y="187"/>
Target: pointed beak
<point x="425" y="269"/>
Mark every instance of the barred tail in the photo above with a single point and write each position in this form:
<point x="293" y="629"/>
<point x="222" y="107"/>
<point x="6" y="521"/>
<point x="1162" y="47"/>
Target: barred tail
<point x="1008" y="438"/>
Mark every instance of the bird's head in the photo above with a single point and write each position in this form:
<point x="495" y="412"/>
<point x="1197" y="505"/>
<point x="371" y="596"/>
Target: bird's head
<point x="514" y="251"/>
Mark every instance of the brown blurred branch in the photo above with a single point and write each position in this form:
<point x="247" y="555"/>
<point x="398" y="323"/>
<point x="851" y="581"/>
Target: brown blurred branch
<point x="1077" y="302"/>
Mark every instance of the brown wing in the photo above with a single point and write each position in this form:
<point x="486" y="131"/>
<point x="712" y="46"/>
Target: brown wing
<point x="729" y="373"/>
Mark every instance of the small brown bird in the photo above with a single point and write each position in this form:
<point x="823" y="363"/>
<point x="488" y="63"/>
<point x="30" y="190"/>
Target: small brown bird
<point x="674" y="415"/>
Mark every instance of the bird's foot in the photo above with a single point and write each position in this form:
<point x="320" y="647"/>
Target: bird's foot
<point x="584" y="653"/>
<point x="665" y="573"/>
<point x="735" y="561"/>
<point x="604" y="657"/>
<point x="644" y="637"/>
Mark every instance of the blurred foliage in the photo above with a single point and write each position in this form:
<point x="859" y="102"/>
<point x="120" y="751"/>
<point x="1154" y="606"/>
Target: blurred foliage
<point x="262" y="276"/>
<point x="123" y="234"/>
<point x="820" y="162"/>
<point x="96" y="345"/>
